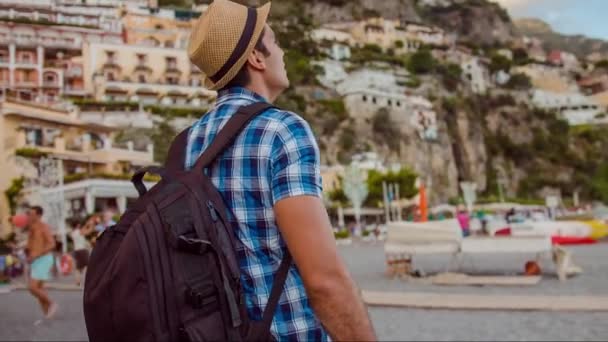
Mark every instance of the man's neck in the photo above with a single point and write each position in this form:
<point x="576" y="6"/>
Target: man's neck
<point x="264" y="92"/>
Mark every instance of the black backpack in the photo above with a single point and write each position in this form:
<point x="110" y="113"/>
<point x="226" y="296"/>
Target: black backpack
<point x="168" y="270"/>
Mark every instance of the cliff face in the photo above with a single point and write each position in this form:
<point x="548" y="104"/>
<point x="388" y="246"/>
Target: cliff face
<point x="325" y="11"/>
<point x="477" y="21"/>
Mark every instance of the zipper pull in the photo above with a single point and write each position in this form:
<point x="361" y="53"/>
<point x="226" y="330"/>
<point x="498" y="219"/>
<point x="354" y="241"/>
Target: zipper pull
<point x="212" y="211"/>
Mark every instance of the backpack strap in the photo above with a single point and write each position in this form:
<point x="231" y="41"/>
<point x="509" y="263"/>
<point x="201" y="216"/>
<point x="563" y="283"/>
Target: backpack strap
<point x="275" y="294"/>
<point x="229" y="133"/>
<point x="176" y="157"/>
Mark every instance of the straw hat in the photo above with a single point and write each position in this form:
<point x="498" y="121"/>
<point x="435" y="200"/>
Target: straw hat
<point x="222" y="39"/>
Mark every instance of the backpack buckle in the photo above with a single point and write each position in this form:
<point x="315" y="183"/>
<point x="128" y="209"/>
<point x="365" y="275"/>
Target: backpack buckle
<point x="193" y="246"/>
<point x="194" y="298"/>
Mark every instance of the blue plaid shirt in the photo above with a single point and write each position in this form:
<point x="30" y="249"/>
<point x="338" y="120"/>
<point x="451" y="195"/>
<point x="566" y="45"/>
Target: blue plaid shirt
<point x="275" y="157"/>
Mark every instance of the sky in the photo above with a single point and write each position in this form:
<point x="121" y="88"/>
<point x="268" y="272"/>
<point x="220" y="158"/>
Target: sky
<point x="587" y="17"/>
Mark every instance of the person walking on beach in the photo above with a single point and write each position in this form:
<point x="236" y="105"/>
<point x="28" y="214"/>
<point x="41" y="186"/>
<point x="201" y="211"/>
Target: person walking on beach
<point x="270" y="179"/>
<point x="40" y="246"/>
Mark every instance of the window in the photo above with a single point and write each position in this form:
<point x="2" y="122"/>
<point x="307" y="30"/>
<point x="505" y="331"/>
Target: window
<point x="26" y="57"/>
<point x="172" y="80"/>
<point x="141" y="58"/>
<point x="364" y="98"/>
<point x="110" y="76"/>
<point x="195" y="82"/>
<point x="390" y="102"/>
<point x="141" y="78"/>
<point x="373" y="100"/>
<point x="398" y="103"/>
<point x="171" y="62"/>
<point x="49" y="78"/>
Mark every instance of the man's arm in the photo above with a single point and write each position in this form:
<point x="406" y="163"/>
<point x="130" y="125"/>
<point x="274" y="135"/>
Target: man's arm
<point x="49" y="240"/>
<point x="335" y="298"/>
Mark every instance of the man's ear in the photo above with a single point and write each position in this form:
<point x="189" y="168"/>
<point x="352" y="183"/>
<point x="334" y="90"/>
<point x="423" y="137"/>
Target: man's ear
<point x="257" y="61"/>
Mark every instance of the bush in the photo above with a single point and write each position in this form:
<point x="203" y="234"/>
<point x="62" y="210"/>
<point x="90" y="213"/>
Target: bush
<point x="413" y="82"/>
<point x="173" y="112"/>
<point x="519" y="82"/>
<point x="343" y="234"/>
<point x="404" y="177"/>
<point x="29" y="152"/>
<point x="500" y="62"/>
<point x="421" y="62"/>
<point x="13" y="192"/>
<point x="75" y="177"/>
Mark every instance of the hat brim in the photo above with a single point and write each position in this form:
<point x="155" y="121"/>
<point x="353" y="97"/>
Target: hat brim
<point x="262" y="17"/>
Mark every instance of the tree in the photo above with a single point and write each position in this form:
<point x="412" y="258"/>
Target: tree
<point x="450" y="75"/>
<point x="162" y="136"/>
<point x="500" y="62"/>
<point x="519" y="81"/>
<point x="602" y="64"/>
<point x="405" y="177"/>
<point x="421" y="62"/>
<point x="600" y="183"/>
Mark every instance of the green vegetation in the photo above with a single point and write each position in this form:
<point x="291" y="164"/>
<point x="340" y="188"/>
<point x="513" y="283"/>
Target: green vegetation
<point x="13" y="192"/>
<point x="519" y="82"/>
<point x="343" y="234"/>
<point x="42" y="21"/>
<point x="413" y="82"/>
<point x="373" y="53"/>
<point x="162" y="136"/>
<point x="164" y="111"/>
<point x="602" y="64"/>
<point x="176" y="112"/>
<point x="404" y="177"/>
<point x="421" y="62"/>
<point x="29" y="152"/>
<point x="75" y="177"/>
<point x="450" y="75"/>
<point x="499" y="62"/>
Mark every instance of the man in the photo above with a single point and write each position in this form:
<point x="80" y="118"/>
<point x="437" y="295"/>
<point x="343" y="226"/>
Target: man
<point x="40" y="246"/>
<point x="270" y="179"/>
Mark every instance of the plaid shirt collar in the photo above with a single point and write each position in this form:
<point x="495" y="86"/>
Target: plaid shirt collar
<point x="226" y="95"/>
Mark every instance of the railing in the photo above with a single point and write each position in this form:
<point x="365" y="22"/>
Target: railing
<point x="26" y="62"/>
<point x="53" y="84"/>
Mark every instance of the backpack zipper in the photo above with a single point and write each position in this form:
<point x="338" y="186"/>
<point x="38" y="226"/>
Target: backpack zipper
<point x="212" y="211"/>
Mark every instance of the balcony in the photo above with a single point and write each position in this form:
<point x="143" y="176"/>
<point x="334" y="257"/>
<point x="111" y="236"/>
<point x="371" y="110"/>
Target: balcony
<point x="26" y="83"/>
<point x="4" y="60"/>
<point x="51" y="84"/>
<point x="26" y="63"/>
<point x="104" y="153"/>
<point x="75" y="90"/>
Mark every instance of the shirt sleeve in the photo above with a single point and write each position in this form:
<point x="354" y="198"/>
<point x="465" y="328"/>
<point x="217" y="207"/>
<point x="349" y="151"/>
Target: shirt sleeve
<point x="295" y="161"/>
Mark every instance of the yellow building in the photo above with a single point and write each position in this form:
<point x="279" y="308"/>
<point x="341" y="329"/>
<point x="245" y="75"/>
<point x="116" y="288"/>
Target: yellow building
<point x="153" y="30"/>
<point x="115" y="72"/>
<point x="30" y="131"/>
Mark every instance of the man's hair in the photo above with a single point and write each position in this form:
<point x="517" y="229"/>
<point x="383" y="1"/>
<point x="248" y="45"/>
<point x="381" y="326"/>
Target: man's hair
<point x="242" y="78"/>
<point x="38" y="209"/>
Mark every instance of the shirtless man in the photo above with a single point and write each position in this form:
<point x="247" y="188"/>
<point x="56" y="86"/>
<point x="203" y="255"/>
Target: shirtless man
<point x="40" y="246"/>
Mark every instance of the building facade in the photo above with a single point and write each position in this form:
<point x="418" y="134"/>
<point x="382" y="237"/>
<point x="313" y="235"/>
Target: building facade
<point x="36" y="61"/>
<point x="87" y="150"/>
<point x="151" y="75"/>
